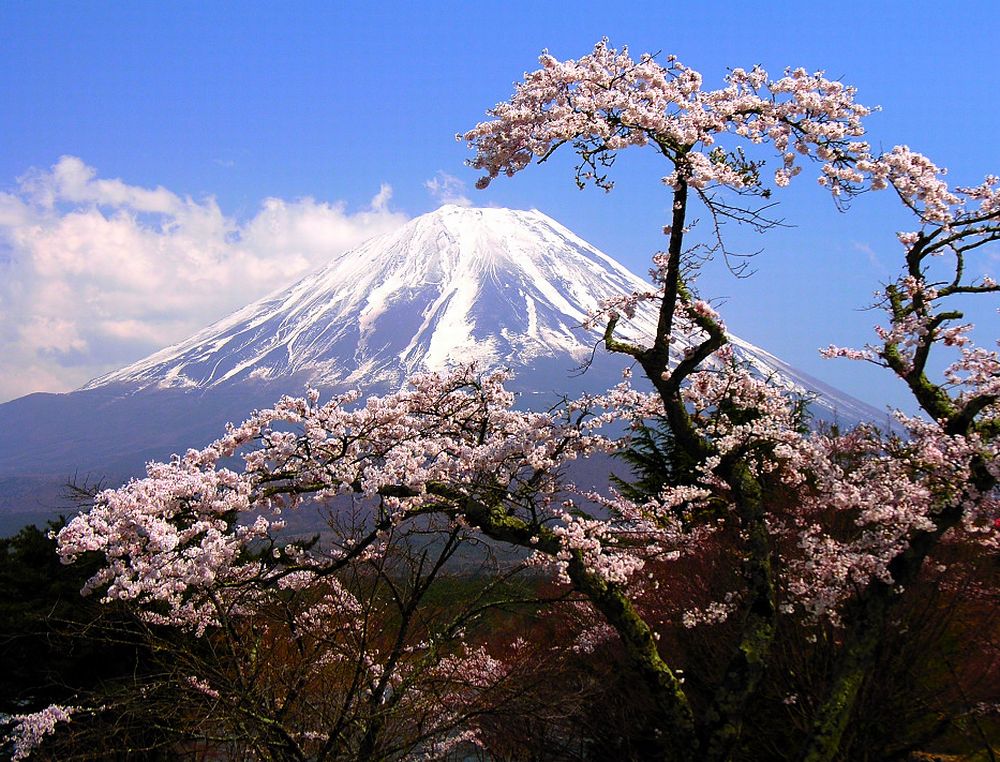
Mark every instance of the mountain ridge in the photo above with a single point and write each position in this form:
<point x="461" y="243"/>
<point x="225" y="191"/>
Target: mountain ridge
<point x="452" y="273"/>
<point x="499" y="287"/>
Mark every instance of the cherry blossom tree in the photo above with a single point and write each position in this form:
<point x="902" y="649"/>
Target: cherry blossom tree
<point x="802" y="529"/>
<point x="903" y="500"/>
<point x="332" y="649"/>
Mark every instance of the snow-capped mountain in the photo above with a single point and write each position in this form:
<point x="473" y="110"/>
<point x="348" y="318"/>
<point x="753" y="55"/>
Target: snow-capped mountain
<point x="500" y="287"/>
<point x="495" y="286"/>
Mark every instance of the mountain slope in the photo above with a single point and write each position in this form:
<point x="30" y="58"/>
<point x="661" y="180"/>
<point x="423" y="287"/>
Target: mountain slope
<point x="501" y="287"/>
<point x="497" y="286"/>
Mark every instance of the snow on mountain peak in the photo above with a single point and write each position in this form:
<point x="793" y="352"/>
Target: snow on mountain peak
<point x="495" y="285"/>
<point x="503" y="287"/>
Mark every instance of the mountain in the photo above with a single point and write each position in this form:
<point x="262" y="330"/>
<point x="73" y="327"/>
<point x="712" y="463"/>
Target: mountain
<point x="501" y="287"/>
<point x="496" y="286"/>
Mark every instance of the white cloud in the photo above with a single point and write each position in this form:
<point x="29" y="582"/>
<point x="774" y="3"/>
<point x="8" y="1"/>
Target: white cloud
<point x="73" y="181"/>
<point x="96" y="273"/>
<point x="447" y="189"/>
<point x="877" y="265"/>
<point x="380" y="201"/>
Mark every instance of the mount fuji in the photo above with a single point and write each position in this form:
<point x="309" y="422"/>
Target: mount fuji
<point x="493" y="286"/>
<point x="498" y="287"/>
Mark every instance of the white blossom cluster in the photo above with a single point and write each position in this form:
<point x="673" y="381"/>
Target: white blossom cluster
<point x="31" y="729"/>
<point x="606" y="101"/>
<point x="174" y="538"/>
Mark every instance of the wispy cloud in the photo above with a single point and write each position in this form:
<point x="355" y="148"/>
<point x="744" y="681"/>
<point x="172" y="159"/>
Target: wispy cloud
<point x="380" y="202"/>
<point x="877" y="265"/>
<point x="96" y="273"/>
<point x="447" y="189"/>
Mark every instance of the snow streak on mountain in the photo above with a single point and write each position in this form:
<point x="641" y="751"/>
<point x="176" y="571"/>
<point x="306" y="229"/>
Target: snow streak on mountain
<point x="500" y="287"/>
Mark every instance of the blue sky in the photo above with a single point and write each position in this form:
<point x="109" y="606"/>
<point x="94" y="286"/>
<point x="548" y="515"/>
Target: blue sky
<point x="279" y="133"/>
